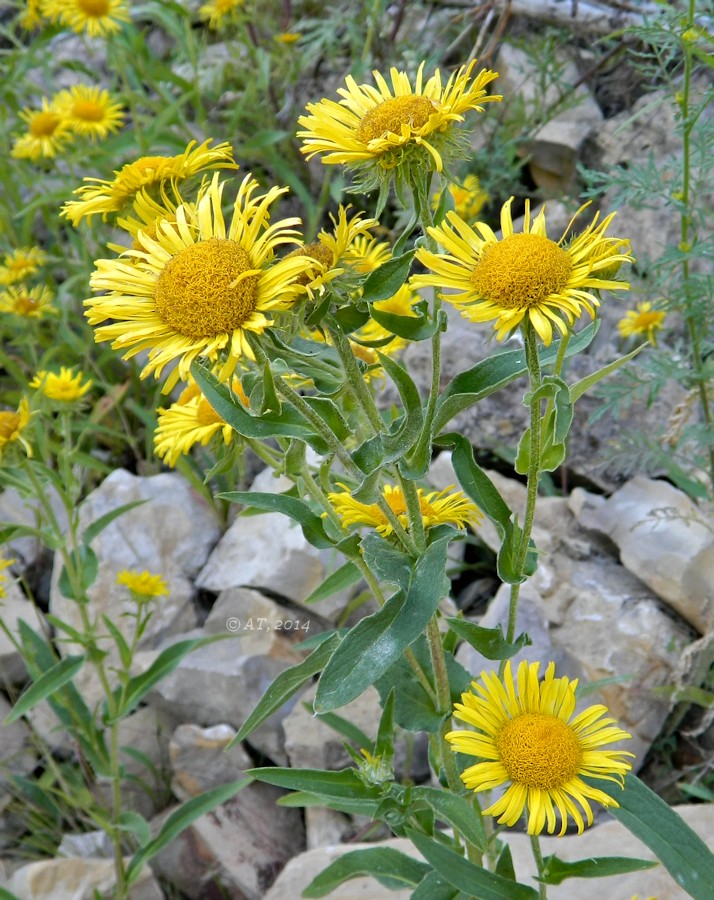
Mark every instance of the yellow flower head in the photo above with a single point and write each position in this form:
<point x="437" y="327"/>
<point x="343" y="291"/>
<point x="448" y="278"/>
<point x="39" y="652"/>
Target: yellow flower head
<point x="143" y="584"/>
<point x="64" y="388"/>
<point x="201" y="285"/>
<point x="20" y="264"/>
<point x="47" y="132"/>
<point x="99" y="196"/>
<point x="31" y="16"/>
<point x="28" y="303"/>
<point x="643" y="320"/>
<point x="527" y="734"/>
<point x="148" y="213"/>
<point x="522" y="276"/>
<point x="468" y="197"/>
<point x="90" y="110"/>
<point x="331" y="248"/>
<point x="380" y="125"/>
<point x="96" y="18"/>
<point x="288" y="37"/>
<point x="191" y="420"/>
<point x="437" y="508"/>
<point x="12" y="424"/>
<point x="218" y="12"/>
<point x="365" y="254"/>
<point x="4" y="564"/>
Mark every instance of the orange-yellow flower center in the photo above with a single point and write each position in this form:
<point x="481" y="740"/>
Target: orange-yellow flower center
<point x="206" y="414"/>
<point x="95" y="9"/>
<point x="203" y="291"/>
<point x="26" y="305"/>
<point x="389" y="116"/>
<point x="9" y="423"/>
<point x="88" y="111"/>
<point x="44" y="124"/>
<point x="647" y="320"/>
<point x="521" y="271"/>
<point x="539" y="750"/>
<point x="316" y="250"/>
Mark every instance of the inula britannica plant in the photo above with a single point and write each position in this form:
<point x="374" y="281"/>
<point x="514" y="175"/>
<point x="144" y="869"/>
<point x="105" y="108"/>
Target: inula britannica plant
<point x="236" y="318"/>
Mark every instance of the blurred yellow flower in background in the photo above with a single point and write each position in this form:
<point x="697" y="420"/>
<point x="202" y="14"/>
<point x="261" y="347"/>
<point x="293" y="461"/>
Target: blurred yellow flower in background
<point x="63" y="387"/>
<point x="643" y="320"/>
<point x="47" y="133"/>
<point x="90" y="111"/>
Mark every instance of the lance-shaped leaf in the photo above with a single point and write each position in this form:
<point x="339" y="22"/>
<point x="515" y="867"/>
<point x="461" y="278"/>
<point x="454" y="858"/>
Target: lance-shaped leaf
<point x="377" y="641"/>
<point x="556" y="870"/>
<point x="580" y="387"/>
<point x="338" y="790"/>
<point x="419" y="327"/>
<point x="489" y="642"/>
<point x="44" y="686"/>
<point x="390" y="867"/>
<point x="386" y="280"/>
<point x="311" y="524"/>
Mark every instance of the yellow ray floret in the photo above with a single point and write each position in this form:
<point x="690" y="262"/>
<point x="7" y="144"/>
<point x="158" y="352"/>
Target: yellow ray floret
<point x="201" y="285"/>
<point x="529" y="737"/>
<point x="523" y="276"/>
<point x="20" y="264"/>
<point x="64" y="387"/>
<point x="12" y="424"/>
<point x="48" y="132"/>
<point x="28" y="303"/>
<point x="96" y="18"/>
<point x="643" y="320"/>
<point x="370" y="123"/>
<point x="90" y="110"/>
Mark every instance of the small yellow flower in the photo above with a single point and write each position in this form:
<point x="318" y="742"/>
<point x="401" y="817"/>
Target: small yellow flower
<point x="201" y="285"/>
<point x="97" y="18"/>
<point x="99" y="196"/>
<point x="468" y="197"/>
<point x="12" y="424"/>
<point x="4" y="564"/>
<point x="437" y="508"/>
<point x="643" y="320"/>
<point x="365" y="254"/>
<point x="28" y="303"/>
<point x="63" y="388"/>
<point x="47" y="133"/>
<point x="288" y="37"/>
<point x="522" y="276"/>
<point x="218" y="12"/>
<point x="143" y="584"/>
<point x="379" y="125"/>
<point x="20" y="264"/>
<point x="90" y="110"/>
<point x="31" y="16"/>
<point x="526" y="735"/>
<point x="190" y="421"/>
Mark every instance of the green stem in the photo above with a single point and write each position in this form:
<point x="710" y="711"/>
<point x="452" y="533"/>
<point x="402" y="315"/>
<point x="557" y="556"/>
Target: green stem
<point x="355" y="379"/>
<point x="538" y="857"/>
<point x="533" y="363"/>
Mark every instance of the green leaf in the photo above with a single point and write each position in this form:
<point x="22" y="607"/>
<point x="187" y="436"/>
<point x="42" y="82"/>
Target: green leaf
<point x="384" y="745"/>
<point x="680" y="850"/>
<point x="179" y="820"/>
<point x="504" y="864"/>
<point x="136" y="688"/>
<point x="136" y="825"/>
<point x="489" y="642"/>
<point x="389" y="866"/>
<point x="285" y="685"/>
<point x="580" y="387"/>
<point x="88" y="566"/>
<point x="311" y="524"/>
<point x="44" y="686"/>
<point x="337" y="788"/>
<point x="556" y="870"/>
<point x="467" y="877"/>
<point x="386" y="280"/>
<point x="433" y="887"/>
<point x="95" y="528"/>
<point x="125" y="653"/>
<point x="455" y="810"/>
<point x="344" y="727"/>
<point x="377" y="641"/>
<point x="413" y="328"/>
<point x="347" y="575"/>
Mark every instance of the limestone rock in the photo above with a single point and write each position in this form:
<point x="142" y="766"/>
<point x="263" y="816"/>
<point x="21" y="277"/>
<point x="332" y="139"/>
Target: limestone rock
<point x="236" y="850"/>
<point x="17" y="510"/>
<point x="201" y="760"/>
<point x="171" y="534"/>
<point x="77" y="879"/>
<point x="17" y="753"/>
<point x="301" y="870"/>
<point x="14" y="608"/>
<point x="664" y="539"/>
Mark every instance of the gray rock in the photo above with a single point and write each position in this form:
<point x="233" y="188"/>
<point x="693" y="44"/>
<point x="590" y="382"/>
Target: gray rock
<point x="17" y="753"/>
<point x="17" y="510"/>
<point x="77" y="879"/>
<point x="201" y="760"/>
<point x="15" y="608"/>
<point x="236" y="850"/>
<point x="665" y="540"/>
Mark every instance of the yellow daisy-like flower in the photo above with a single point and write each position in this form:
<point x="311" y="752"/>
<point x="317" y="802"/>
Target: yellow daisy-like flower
<point x="199" y="287"/>
<point x="99" y="196"/>
<point x="366" y="254"/>
<point x="31" y="16"/>
<point x="28" y="303"/>
<point x="437" y="508"/>
<point x="378" y="124"/>
<point x="148" y="214"/>
<point x="218" y="12"/>
<point x="17" y="265"/>
<point x="401" y="304"/>
<point x="97" y="18"/>
<point x="191" y="420"/>
<point x="12" y="424"/>
<point x="331" y="247"/>
<point x="90" y="110"/>
<point x="643" y="320"/>
<point x="65" y="387"/>
<point x="522" y="276"/>
<point x="530" y="737"/>
<point x="288" y="37"/>
<point x="47" y="133"/>
<point x="468" y="197"/>
<point x="144" y="584"/>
